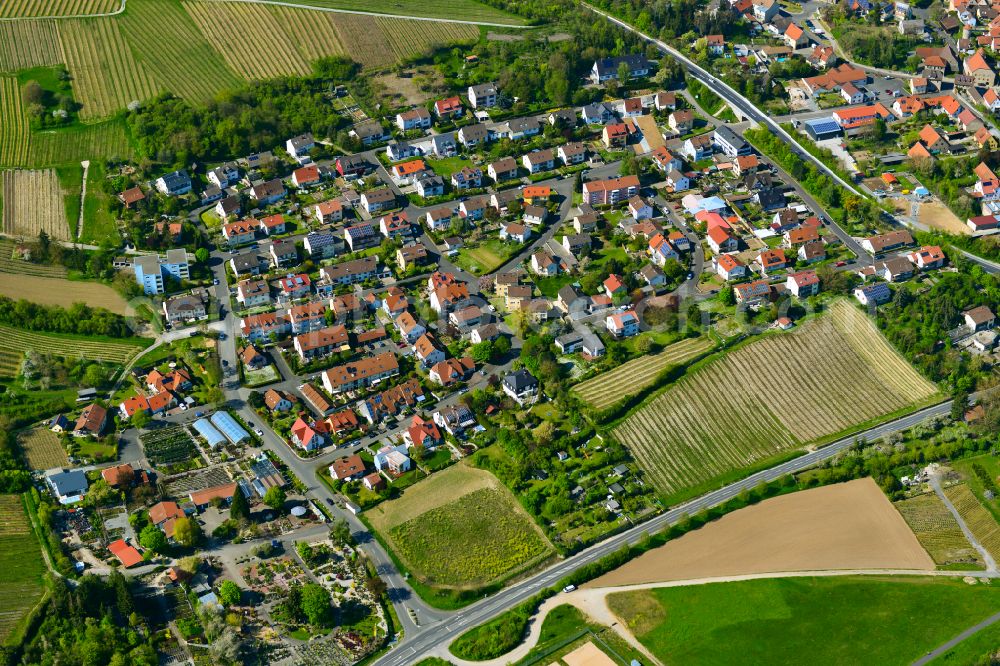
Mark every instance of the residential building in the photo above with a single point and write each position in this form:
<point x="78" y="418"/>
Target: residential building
<point x="802" y="284"/>
<point x="623" y="324"/>
<point x="152" y="271"/>
<point x="606" y="69"/>
<point x="362" y="373"/>
<point x="483" y="96"/>
<point x="610" y="192"/>
<point x="521" y="386"/>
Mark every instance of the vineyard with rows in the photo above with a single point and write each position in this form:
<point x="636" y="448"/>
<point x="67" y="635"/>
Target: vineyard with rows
<point x="629" y="378"/>
<point x="33" y="202"/>
<point x="16" y="342"/>
<point x="21" y="564"/>
<point x="28" y="8"/>
<point x="770" y="396"/>
<point x="399" y="33"/>
<point x="15" y="132"/>
<point x="937" y="530"/>
<point x="315" y="34"/>
<point x="166" y="41"/>
<point x="237" y="30"/>
<point x="979" y="521"/>
<point x="95" y="141"/>
<point x="168" y="445"/>
<point x="27" y="44"/>
<point x="10" y="264"/>
<point x="42" y="449"/>
<point x="466" y="10"/>
<point x="106" y="75"/>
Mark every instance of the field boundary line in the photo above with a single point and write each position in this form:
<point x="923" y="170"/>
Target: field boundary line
<point x="83" y="198"/>
<point x="120" y="10"/>
<point x="360" y="12"/>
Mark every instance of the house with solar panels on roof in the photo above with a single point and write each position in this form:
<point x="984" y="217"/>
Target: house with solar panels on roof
<point x="820" y="129"/>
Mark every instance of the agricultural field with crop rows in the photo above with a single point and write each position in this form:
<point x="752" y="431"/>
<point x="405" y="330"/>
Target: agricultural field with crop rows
<point x="237" y="29"/>
<point x="463" y="10"/>
<point x="21" y="564"/>
<point x="28" y="8"/>
<point x="980" y="521"/>
<point x="770" y="396"/>
<point x="14" y="128"/>
<point x="937" y="530"/>
<point x="609" y="387"/>
<point x="106" y="76"/>
<point x="315" y="33"/>
<point x="33" y="202"/>
<point x="42" y="449"/>
<point x="27" y="44"/>
<point x="16" y="342"/>
<point x="168" y="445"/>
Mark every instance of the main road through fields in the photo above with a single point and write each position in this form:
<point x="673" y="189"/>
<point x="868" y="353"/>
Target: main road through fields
<point x="447" y="630"/>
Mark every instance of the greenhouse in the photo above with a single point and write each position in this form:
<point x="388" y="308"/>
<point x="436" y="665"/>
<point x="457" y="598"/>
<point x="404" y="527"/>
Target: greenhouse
<point x="233" y="431"/>
<point x="209" y="432"/>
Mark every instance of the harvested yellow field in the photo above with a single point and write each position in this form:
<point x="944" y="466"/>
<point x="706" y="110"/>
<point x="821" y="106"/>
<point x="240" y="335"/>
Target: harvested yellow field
<point x="32" y="203"/>
<point x="26" y="44"/>
<point x="770" y="396"/>
<point x="979" y="521"/>
<point x="844" y="526"/>
<point x="629" y="378"/>
<point x="239" y="30"/>
<point x="937" y="530"/>
<point x="42" y="449"/>
<point x="14" y="128"/>
<point x="106" y="76"/>
<point x="35" y="8"/>
<point x="57" y="291"/>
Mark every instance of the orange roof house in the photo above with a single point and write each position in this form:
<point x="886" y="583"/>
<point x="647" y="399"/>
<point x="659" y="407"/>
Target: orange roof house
<point x="126" y="554"/>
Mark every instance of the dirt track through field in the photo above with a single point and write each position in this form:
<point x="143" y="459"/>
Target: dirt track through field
<point x="845" y="526"/>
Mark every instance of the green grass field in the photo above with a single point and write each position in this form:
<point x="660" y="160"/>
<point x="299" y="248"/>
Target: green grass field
<point x="485" y="257"/>
<point x="768" y="397"/>
<point x="460" y="529"/>
<point x="786" y="621"/>
<point x="21" y="565"/>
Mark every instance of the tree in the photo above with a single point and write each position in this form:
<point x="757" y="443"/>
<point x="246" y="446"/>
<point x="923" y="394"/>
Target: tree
<point x="275" y="498"/>
<point x="624" y="73"/>
<point x="230" y="593"/>
<point x="140" y="419"/>
<point x="187" y="532"/>
<point x="201" y="254"/>
<point x="482" y="352"/>
<point x="340" y="532"/>
<point x="239" y="510"/>
<point x="644" y="344"/>
<point x="316" y="604"/>
<point x="376" y="586"/>
<point x="153" y="538"/>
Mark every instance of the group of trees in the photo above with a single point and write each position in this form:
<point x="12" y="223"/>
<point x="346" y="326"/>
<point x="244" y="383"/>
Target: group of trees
<point x="93" y="623"/>
<point x="256" y="117"/>
<point x="79" y="318"/>
<point x="53" y="106"/>
<point x="306" y="603"/>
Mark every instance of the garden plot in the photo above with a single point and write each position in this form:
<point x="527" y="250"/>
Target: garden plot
<point x="769" y="397"/>
<point x="191" y="482"/>
<point x="169" y="445"/>
<point x="32" y="203"/>
<point x="42" y="449"/>
<point x="460" y="528"/>
<point x="938" y="531"/>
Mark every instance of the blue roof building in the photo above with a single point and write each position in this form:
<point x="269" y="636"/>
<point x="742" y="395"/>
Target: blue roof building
<point x="209" y="432"/>
<point x="822" y="128"/>
<point x="233" y="431"/>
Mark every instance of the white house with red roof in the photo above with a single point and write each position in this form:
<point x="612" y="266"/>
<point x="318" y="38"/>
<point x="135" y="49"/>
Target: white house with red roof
<point x="729" y="267"/>
<point x="802" y="284"/>
<point x="623" y="324"/>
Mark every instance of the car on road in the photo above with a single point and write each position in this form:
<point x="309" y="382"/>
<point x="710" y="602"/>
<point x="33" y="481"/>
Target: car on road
<point x="840" y="263"/>
<point x="199" y="413"/>
<point x="690" y="275"/>
<point x="215" y="281"/>
<point x="225" y="363"/>
<point x="329" y="500"/>
<point x="258" y="432"/>
<point x="222" y="336"/>
<point x="193" y="333"/>
<point x="569" y="588"/>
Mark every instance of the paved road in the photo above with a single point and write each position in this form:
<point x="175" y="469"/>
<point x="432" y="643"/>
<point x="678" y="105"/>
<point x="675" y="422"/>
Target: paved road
<point x="937" y="652"/>
<point x="414" y="647"/>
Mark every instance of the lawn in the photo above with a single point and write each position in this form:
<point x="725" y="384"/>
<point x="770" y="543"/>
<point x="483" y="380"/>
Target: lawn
<point x="845" y="620"/>
<point x="485" y="257"/>
<point x="95" y="449"/>
<point x="21" y="564"/>
<point x="265" y="375"/>
<point x="550" y="286"/>
<point x="460" y="529"/>
<point x="446" y="166"/>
